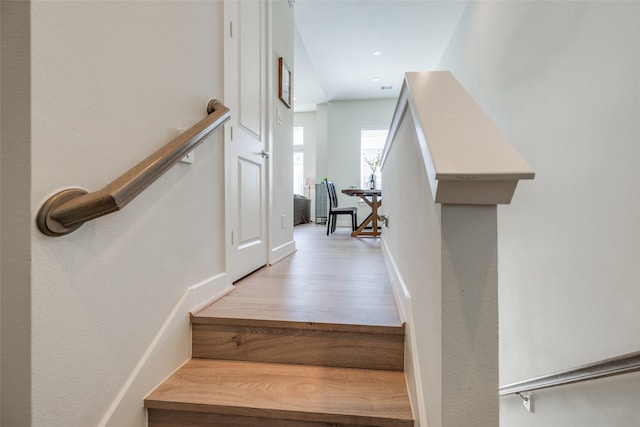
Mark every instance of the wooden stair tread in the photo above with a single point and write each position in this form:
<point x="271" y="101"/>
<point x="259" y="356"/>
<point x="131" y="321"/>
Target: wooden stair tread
<point x="291" y="392"/>
<point x="365" y="316"/>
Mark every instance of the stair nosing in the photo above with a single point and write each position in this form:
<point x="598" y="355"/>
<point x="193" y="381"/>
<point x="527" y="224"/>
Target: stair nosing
<point x="289" y="324"/>
<point x="279" y="414"/>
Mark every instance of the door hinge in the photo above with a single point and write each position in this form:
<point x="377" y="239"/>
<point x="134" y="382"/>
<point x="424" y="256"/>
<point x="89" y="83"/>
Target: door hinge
<point x="231" y="132"/>
<point x="232" y="237"/>
<point x="230" y="29"/>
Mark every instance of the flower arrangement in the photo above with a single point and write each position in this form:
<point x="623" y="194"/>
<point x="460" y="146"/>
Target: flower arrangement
<point x="373" y="163"/>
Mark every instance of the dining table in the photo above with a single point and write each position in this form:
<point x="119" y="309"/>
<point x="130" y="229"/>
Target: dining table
<point x="373" y="198"/>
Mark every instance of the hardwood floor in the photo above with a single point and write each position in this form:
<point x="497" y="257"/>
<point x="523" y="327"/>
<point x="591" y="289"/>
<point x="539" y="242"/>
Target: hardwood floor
<point x="331" y="280"/>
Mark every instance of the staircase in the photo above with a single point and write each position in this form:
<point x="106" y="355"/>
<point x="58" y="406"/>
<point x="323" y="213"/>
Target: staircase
<point x="248" y="372"/>
<point x="258" y="359"/>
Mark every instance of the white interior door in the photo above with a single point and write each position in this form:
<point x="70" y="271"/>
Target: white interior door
<point x="246" y="135"/>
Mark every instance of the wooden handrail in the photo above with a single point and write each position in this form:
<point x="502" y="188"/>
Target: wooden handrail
<point x="67" y="210"/>
<point x="623" y="364"/>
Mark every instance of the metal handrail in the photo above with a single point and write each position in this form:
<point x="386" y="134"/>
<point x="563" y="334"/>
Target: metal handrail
<point x="67" y="210"/>
<point x="619" y="365"/>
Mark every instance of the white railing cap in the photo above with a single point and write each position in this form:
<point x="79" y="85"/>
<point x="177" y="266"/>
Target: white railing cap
<point x="468" y="159"/>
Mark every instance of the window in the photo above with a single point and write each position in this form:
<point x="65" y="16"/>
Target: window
<point x="371" y="146"/>
<point x="298" y="135"/>
<point x="298" y="160"/>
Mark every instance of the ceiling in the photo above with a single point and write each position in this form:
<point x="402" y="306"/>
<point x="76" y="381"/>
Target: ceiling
<point x="335" y="40"/>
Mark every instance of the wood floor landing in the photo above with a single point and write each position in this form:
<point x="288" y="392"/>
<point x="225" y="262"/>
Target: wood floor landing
<point x="294" y="394"/>
<point x="331" y="282"/>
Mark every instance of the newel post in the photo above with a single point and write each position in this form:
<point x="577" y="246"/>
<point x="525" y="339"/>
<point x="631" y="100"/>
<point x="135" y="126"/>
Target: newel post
<point x="469" y="287"/>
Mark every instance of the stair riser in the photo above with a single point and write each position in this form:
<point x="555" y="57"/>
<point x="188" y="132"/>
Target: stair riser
<point x="299" y="346"/>
<point x="169" y="418"/>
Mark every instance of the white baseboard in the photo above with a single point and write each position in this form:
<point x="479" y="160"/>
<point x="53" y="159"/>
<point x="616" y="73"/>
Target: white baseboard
<point x="168" y="351"/>
<point x="400" y="291"/>
<point x="209" y="291"/>
<point x="411" y="358"/>
<point x="281" y="252"/>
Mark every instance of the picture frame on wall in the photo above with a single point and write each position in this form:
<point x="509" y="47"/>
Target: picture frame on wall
<point x="284" y="82"/>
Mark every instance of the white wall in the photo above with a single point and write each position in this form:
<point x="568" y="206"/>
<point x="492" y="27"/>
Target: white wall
<point x="281" y="173"/>
<point x="345" y="121"/>
<point x="322" y="141"/>
<point x="561" y="80"/>
<point x="338" y="125"/>
<point x="111" y="83"/>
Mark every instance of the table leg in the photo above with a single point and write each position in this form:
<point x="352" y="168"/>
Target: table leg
<point x="371" y="219"/>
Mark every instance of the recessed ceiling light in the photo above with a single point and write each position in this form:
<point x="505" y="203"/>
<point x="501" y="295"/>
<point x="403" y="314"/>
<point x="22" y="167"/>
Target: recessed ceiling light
<point x="386" y="87"/>
<point x="377" y="52"/>
<point x="375" y="79"/>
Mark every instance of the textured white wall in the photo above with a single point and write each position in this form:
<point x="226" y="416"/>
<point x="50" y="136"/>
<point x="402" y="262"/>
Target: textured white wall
<point x="111" y="83"/>
<point x="561" y="80"/>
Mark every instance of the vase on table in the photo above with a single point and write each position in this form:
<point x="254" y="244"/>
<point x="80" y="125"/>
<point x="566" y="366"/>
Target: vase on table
<point x="372" y="182"/>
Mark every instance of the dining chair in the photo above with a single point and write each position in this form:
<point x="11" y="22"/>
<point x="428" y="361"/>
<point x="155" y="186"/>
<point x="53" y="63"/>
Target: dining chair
<point x="334" y="210"/>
